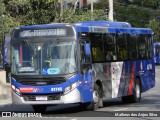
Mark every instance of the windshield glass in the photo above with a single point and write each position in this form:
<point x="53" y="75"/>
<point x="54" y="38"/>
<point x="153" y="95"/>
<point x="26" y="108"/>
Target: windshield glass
<point x="45" y="58"/>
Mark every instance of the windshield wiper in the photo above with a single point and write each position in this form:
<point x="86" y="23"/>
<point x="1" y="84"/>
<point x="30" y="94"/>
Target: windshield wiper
<point x="30" y="47"/>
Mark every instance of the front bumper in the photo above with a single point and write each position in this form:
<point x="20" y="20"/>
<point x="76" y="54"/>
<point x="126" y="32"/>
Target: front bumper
<point x="73" y="96"/>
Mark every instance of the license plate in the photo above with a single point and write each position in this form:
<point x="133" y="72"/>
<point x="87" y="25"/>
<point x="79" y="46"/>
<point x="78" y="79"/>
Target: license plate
<point x="41" y="98"/>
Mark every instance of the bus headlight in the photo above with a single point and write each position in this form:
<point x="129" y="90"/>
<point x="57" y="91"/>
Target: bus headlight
<point x="16" y="90"/>
<point x="13" y="87"/>
<point x="71" y="87"/>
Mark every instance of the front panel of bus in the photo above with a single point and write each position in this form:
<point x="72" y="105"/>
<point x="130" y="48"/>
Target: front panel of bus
<point x="157" y="53"/>
<point x="45" y="66"/>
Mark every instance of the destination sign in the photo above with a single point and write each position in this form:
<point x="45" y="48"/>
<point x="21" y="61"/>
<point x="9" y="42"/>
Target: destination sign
<point x="97" y="29"/>
<point x="43" y="32"/>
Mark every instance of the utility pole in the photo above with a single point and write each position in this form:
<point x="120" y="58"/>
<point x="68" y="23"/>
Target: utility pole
<point x="91" y="9"/>
<point x="61" y="9"/>
<point x="55" y="10"/>
<point x="110" y="10"/>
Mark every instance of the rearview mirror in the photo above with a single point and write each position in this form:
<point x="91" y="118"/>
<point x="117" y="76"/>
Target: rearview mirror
<point x="87" y="49"/>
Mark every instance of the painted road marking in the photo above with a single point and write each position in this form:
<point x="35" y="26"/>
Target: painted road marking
<point x="121" y="109"/>
<point x="152" y="91"/>
<point x="74" y="119"/>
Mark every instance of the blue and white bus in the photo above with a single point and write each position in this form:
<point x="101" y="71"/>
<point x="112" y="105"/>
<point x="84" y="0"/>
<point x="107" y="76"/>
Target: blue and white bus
<point x="157" y="53"/>
<point x="55" y="64"/>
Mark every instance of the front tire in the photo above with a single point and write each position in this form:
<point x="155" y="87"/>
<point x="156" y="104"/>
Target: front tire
<point x="97" y="99"/>
<point x="137" y="91"/>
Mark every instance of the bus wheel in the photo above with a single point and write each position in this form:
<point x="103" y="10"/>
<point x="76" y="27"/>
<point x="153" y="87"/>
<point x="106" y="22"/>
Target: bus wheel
<point x="137" y="91"/>
<point x="39" y="108"/>
<point x="97" y="99"/>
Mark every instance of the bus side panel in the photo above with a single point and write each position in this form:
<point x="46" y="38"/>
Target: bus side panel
<point x="116" y="78"/>
<point x="125" y="79"/>
<point x="132" y="69"/>
<point x="147" y="74"/>
<point x="102" y="72"/>
<point x="86" y="87"/>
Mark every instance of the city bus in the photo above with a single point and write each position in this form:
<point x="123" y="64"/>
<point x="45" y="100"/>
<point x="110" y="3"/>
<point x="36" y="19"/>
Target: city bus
<point x="64" y="63"/>
<point x="157" y="53"/>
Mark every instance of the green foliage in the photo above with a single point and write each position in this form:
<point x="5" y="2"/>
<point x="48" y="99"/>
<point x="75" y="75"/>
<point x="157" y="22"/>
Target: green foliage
<point x="139" y="13"/>
<point x="83" y="16"/>
<point x="7" y="22"/>
<point x="155" y="26"/>
<point x="31" y="11"/>
<point x="135" y="15"/>
<point x="147" y="3"/>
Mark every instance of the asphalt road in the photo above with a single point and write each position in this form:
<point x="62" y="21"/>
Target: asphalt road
<point x="147" y="109"/>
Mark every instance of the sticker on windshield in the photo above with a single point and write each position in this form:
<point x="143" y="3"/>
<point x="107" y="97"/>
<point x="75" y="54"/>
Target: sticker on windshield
<point x="50" y="71"/>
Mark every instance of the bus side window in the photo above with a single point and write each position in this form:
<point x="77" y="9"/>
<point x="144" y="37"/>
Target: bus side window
<point x="132" y="46"/>
<point x="109" y="47"/>
<point x="122" y="47"/>
<point x="142" y="48"/>
<point x="97" y="48"/>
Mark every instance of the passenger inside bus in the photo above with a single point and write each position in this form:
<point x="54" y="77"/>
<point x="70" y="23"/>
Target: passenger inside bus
<point x="109" y="56"/>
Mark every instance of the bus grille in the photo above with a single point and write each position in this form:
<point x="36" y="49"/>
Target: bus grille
<point x="51" y="97"/>
<point x="40" y="83"/>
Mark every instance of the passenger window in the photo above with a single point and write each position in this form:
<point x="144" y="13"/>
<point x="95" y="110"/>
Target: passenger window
<point x="122" y="47"/>
<point x="132" y="46"/>
<point x="97" y="47"/>
<point x="142" y="51"/>
<point x="109" y="47"/>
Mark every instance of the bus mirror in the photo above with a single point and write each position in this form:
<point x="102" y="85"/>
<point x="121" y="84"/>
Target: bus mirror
<point x="87" y="52"/>
<point x="87" y="49"/>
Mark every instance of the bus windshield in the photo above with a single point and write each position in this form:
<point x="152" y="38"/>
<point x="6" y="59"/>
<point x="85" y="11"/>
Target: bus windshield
<point x="44" y="58"/>
<point x="157" y="50"/>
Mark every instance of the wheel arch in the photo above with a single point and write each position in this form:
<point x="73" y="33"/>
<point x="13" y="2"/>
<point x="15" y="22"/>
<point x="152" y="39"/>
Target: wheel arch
<point x="99" y="83"/>
<point x="140" y="81"/>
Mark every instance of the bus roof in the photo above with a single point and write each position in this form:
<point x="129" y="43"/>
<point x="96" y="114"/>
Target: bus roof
<point x="100" y="29"/>
<point x="89" y="26"/>
<point x="104" y="24"/>
<point x="85" y="23"/>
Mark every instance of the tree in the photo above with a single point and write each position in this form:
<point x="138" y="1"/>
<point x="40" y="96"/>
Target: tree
<point x="136" y="16"/>
<point x="155" y="26"/>
<point x="7" y="22"/>
<point x="29" y="12"/>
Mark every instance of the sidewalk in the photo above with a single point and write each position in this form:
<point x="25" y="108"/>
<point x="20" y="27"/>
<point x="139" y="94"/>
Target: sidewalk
<point x="5" y="94"/>
<point x="5" y="90"/>
<point x="7" y="101"/>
